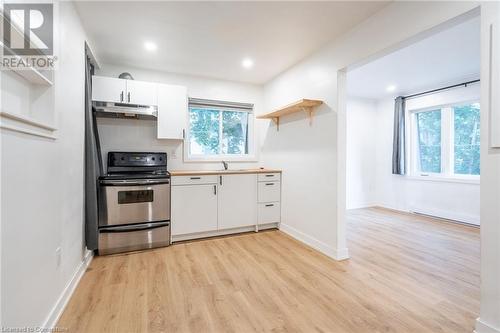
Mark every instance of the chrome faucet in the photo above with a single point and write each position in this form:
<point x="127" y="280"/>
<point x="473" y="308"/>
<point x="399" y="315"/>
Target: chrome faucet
<point x="224" y="163"/>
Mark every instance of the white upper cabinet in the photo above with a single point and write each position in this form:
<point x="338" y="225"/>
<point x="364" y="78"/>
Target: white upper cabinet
<point x="142" y="93"/>
<point x="237" y="201"/>
<point x="108" y="89"/>
<point x="172" y="111"/>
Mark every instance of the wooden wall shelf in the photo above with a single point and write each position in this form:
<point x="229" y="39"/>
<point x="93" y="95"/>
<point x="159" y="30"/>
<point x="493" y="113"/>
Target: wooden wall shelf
<point x="303" y="105"/>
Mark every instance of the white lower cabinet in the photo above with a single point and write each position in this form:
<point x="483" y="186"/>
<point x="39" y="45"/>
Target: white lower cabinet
<point x="194" y="209"/>
<point x="237" y="200"/>
<point x="269" y="212"/>
<point x="208" y="205"/>
<point x="269" y="191"/>
<point x="269" y="199"/>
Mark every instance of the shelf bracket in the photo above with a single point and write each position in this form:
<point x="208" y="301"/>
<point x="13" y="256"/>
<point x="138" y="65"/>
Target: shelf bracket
<point x="277" y="122"/>
<point x="310" y="112"/>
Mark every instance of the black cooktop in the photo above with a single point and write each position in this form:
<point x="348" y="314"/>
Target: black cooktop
<point x="136" y="165"/>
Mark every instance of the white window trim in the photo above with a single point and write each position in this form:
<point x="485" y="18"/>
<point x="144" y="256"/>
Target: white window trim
<point x="447" y="146"/>
<point x="250" y="157"/>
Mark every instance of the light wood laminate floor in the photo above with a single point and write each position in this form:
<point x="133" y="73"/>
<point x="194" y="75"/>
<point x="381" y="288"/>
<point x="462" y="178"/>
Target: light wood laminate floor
<point x="406" y="274"/>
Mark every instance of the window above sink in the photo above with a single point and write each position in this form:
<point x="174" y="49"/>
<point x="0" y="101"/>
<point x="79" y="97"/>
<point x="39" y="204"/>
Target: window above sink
<point x="219" y="130"/>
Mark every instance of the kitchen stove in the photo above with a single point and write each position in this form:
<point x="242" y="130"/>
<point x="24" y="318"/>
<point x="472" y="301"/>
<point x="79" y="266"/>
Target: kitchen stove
<point x="134" y="202"/>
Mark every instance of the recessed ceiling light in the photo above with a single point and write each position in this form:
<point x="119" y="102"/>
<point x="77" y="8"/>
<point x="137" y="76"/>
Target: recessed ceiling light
<point x="150" y="46"/>
<point x="247" y="63"/>
<point x="390" y="88"/>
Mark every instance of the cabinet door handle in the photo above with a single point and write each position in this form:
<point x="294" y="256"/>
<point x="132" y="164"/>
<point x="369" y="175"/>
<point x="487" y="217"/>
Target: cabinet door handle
<point x="195" y="178"/>
<point x="121" y="96"/>
<point x="183" y="133"/>
<point x="215" y="189"/>
<point x="220" y="180"/>
<point x="128" y="96"/>
<point x="270" y="205"/>
<point x="269" y="184"/>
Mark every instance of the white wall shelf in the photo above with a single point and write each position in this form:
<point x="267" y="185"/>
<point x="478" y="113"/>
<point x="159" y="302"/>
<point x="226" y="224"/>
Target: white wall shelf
<point x="26" y="125"/>
<point x="30" y="74"/>
<point x="34" y="76"/>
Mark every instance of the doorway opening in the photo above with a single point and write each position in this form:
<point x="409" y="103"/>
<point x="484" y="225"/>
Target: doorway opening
<point x="412" y="161"/>
<point x="426" y="160"/>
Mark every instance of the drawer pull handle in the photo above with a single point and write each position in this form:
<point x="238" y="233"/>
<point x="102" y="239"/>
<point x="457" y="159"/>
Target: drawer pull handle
<point x="269" y="184"/>
<point x="269" y="175"/>
<point x="195" y="178"/>
<point x="270" y="205"/>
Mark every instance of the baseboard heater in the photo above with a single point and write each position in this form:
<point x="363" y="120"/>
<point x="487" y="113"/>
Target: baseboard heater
<point x="444" y="218"/>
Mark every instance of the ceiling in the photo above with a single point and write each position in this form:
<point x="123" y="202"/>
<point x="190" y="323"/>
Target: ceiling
<point x="447" y="57"/>
<point x="211" y="39"/>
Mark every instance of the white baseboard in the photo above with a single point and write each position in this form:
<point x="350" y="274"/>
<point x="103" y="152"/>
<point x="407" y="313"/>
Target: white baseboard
<point x="224" y="232"/>
<point x="337" y="254"/>
<point x="482" y="327"/>
<point x="389" y="207"/>
<point x="360" y="205"/>
<point x="342" y="254"/>
<point x="65" y="296"/>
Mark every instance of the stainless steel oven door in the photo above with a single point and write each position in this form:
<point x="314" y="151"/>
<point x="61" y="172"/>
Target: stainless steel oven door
<point x="135" y="201"/>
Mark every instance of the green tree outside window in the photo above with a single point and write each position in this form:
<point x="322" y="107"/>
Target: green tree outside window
<point x="218" y="132"/>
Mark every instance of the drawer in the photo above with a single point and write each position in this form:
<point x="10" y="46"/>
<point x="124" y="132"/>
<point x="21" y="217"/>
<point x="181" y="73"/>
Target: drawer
<point x="193" y="180"/>
<point x="269" y="213"/>
<point x="265" y="177"/>
<point x="133" y="237"/>
<point x="269" y="192"/>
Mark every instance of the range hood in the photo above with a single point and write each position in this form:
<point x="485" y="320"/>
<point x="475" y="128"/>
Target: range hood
<point x="122" y="110"/>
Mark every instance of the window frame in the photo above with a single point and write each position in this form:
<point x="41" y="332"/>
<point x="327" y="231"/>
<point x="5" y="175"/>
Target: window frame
<point x="249" y="157"/>
<point x="447" y="145"/>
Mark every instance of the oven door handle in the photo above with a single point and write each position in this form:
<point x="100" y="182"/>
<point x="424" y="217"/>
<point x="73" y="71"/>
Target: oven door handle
<point x="132" y="228"/>
<point x="134" y="182"/>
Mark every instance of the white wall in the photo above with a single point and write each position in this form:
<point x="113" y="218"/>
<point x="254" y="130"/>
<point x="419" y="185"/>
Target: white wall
<point x="448" y="199"/>
<point x="42" y="194"/>
<point x="489" y="320"/>
<point x="361" y="165"/>
<point x="313" y="158"/>
<point x="125" y="134"/>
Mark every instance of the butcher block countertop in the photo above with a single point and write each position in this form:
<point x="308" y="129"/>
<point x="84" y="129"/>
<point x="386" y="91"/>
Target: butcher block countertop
<point x="220" y="172"/>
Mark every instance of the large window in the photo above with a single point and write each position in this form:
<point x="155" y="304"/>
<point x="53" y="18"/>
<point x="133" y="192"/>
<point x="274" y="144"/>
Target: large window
<point x="429" y="140"/>
<point x="219" y="130"/>
<point x="466" y="141"/>
<point x="445" y="141"/>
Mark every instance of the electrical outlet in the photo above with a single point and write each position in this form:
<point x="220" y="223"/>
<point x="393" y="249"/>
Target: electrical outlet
<point x="173" y="155"/>
<point x="58" y="256"/>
